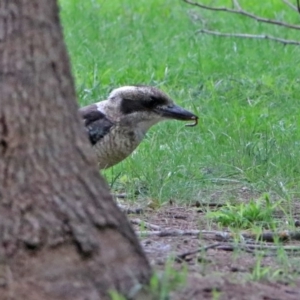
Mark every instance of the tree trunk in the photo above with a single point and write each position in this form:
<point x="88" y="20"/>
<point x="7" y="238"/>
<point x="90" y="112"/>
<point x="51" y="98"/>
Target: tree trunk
<point x="61" y="235"/>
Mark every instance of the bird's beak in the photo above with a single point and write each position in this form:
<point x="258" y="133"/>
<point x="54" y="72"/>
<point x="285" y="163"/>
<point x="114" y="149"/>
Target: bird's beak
<point x="176" y="112"/>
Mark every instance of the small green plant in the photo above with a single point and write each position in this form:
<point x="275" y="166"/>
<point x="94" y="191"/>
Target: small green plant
<point x="114" y="295"/>
<point x="216" y="294"/>
<point x="161" y="283"/>
<point x="261" y="272"/>
<point x="246" y="215"/>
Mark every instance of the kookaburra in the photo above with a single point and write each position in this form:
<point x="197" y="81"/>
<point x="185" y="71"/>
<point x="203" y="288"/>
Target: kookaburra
<point x="116" y="126"/>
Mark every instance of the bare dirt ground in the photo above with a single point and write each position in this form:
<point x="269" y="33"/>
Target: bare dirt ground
<point x="219" y="271"/>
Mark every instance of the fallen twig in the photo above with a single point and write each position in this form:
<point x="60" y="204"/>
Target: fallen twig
<point x="128" y="210"/>
<point x="234" y="247"/>
<point x="144" y="224"/>
<point x="250" y="36"/>
<point x="174" y="232"/>
<point x="181" y="257"/>
<point x="249" y="248"/>
<point x="208" y="204"/>
<point x="226" y="236"/>
<point x="274" y="236"/>
<point x="271" y="247"/>
<point x="252" y="248"/>
<point x="179" y="217"/>
<point x="136" y="211"/>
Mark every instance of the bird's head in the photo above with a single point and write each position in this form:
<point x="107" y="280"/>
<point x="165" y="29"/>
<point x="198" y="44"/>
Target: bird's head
<point x="147" y="105"/>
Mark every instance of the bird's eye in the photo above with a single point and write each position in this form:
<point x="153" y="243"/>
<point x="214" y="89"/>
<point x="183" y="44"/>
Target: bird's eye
<point x="154" y="101"/>
<point x="157" y="101"/>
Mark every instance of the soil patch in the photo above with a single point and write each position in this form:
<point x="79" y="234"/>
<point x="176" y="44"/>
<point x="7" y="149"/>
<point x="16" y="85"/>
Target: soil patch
<point x="220" y="270"/>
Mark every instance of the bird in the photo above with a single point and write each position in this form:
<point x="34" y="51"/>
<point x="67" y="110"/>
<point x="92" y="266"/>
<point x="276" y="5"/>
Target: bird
<point x="116" y="126"/>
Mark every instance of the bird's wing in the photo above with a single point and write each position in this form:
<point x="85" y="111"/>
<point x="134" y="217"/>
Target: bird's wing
<point x="96" y="123"/>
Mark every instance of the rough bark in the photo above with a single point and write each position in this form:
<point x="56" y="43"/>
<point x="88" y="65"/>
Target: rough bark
<point x="61" y="235"/>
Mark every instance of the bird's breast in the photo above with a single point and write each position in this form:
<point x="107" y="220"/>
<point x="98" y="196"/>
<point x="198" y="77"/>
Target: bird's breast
<point x="117" y="145"/>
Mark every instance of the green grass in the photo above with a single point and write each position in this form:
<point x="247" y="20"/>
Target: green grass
<point x="246" y="93"/>
<point x="255" y="213"/>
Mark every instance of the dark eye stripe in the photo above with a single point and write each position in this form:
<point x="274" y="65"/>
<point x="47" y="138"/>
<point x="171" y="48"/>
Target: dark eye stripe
<point x="129" y="106"/>
<point x="157" y="101"/>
